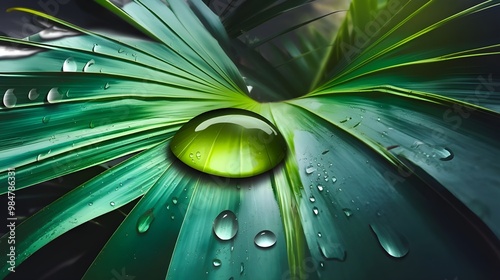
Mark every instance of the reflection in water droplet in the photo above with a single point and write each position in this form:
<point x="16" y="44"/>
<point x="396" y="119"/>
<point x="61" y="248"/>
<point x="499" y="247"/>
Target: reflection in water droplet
<point x="315" y="211"/>
<point x="265" y="239"/>
<point x="332" y="250"/>
<point x="9" y="98"/>
<point x="225" y="225"/>
<point x="310" y="169"/>
<point x="395" y="244"/>
<point x="88" y="65"/>
<point x="145" y="220"/>
<point x="54" y="95"/>
<point x="33" y="94"/>
<point x="216" y="263"/>
<point x="259" y="146"/>
<point x="347" y="212"/>
<point x="69" y="65"/>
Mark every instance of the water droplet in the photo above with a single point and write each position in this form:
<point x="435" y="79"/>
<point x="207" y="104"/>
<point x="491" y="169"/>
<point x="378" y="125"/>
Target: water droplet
<point x="395" y="244"/>
<point x="259" y="146"/>
<point x="322" y="265"/>
<point x="216" y="262"/>
<point x="54" y="95"/>
<point x="319" y="234"/>
<point x="112" y="203"/>
<point x="90" y="204"/>
<point x="445" y="154"/>
<point x="225" y="225"/>
<point x="347" y="212"/>
<point x="45" y="119"/>
<point x="106" y="86"/>
<point x="95" y="47"/>
<point x="42" y="156"/>
<point x="91" y="124"/>
<point x="378" y="119"/>
<point x="174" y="200"/>
<point x="242" y="268"/>
<point x="312" y="199"/>
<point x="315" y="211"/>
<point x="310" y="169"/>
<point x="88" y="65"/>
<point x="120" y="50"/>
<point x="332" y="250"/>
<point x="9" y="98"/>
<point x="320" y="188"/>
<point x="265" y="239"/>
<point x="198" y="155"/>
<point x="334" y="179"/>
<point x="325" y="152"/>
<point x="33" y="94"/>
<point x="69" y="65"/>
<point x="145" y="220"/>
<point x="55" y="32"/>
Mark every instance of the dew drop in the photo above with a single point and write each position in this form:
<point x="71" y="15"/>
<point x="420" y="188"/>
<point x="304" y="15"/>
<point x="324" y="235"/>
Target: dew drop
<point x="310" y="169"/>
<point x="259" y="146"/>
<point x="312" y="199"/>
<point x="88" y="65"/>
<point x="334" y="179"/>
<point x="145" y="220"/>
<point x="319" y="234"/>
<point x="174" y="200"/>
<point x="265" y="239"/>
<point x="91" y="124"/>
<point x="106" y="86"/>
<point x="445" y="154"/>
<point x="9" y="98"/>
<point x="198" y="155"/>
<point x="95" y="47"/>
<point x="120" y="50"/>
<point x="395" y="244"/>
<point x="54" y="95"/>
<point x="332" y="250"/>
<point x="112" y="203"/>
<point x="225" y="225"/>
<point x="90" y="204"/>
<point x="216" y="262"/>
<point x="347" y="212"/>
<point x="315" y="211"/>
<point x="320" y="188"/>
<point x="33" y="94"/>
<point x="69" y="65"/>
<point x="242" y="268"/>
<point x="46" y="119"/>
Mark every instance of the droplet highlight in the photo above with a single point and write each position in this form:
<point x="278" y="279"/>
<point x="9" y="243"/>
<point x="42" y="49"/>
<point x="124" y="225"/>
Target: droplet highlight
<point x="225" y="225"/>
<point x="265" y="239"/>
<point x="33" y="94"/>
<point x="54" y="95"/>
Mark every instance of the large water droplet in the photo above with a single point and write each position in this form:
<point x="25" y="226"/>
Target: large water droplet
<point x="225" y="225"/>
<point x="145" y="220"/>
<point x="320" y="188"/>
<point x="69" y="65"/>
<point x="9" y="98"/>
<point x="332" y="250"/>
<point x="315" y="211"/>
<point x="33" y="94"/>
<point x="88" y="65"/>
<point x="265" y="239"/>
<point x="95" y="47"/>
<point x="232" y="143"/>
<point x="310" y="169"/>
<point x="445" y="154"/>
<point x="54" y="95"/>
<point x="216" y="263"/>
<point x="395" y="244"/>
